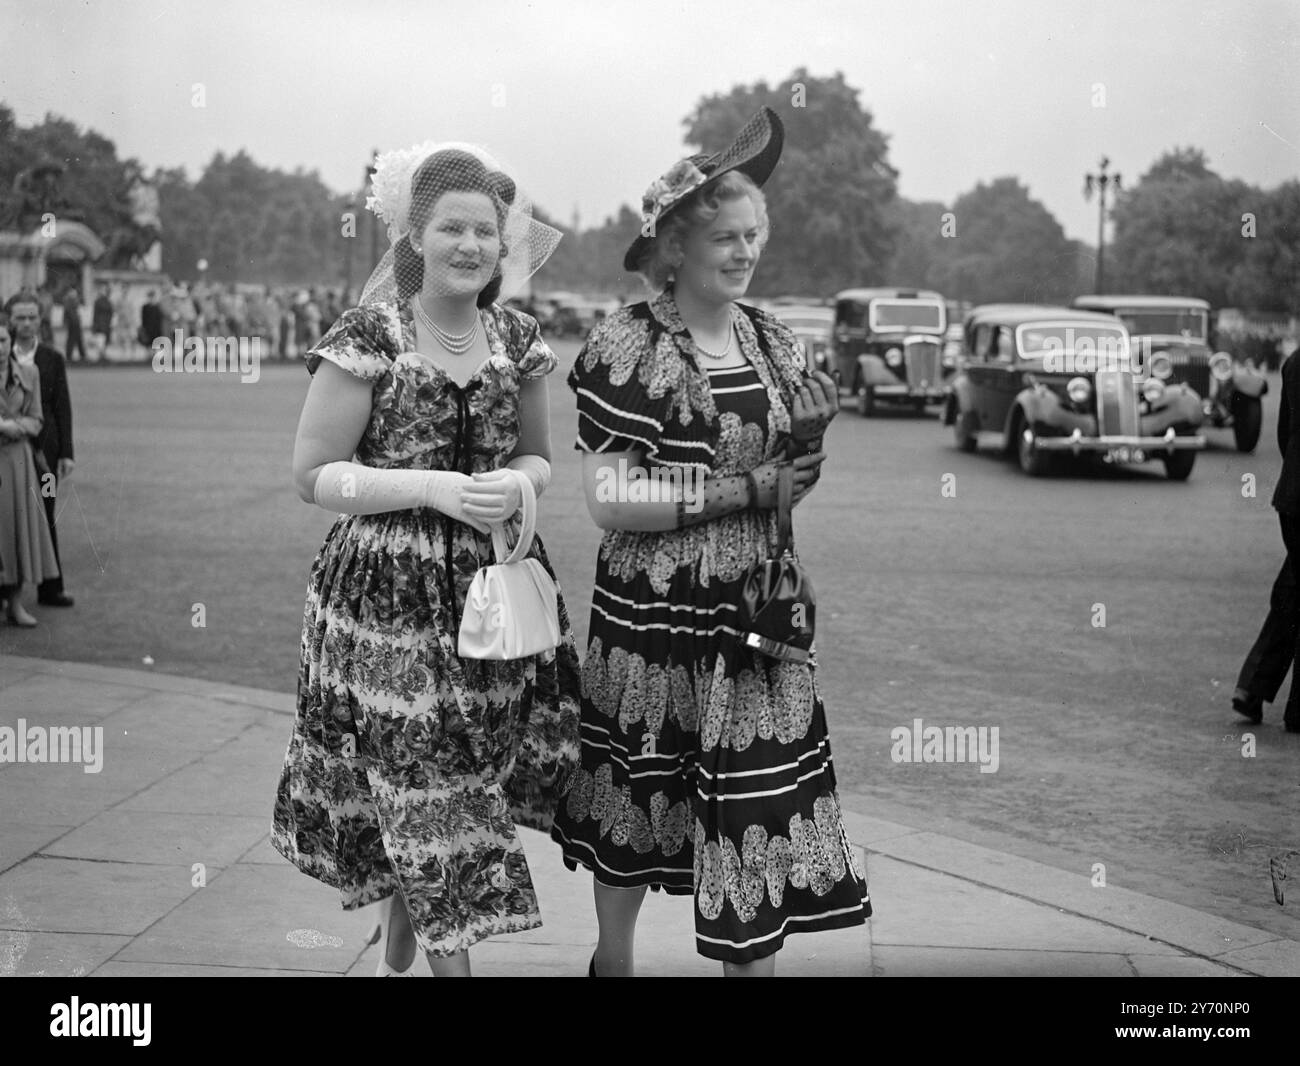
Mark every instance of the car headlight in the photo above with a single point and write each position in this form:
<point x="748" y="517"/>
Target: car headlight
<point x="1079" y="389"/>
<point x="1162" y="366"/>
<point x="894" y="357"/>
<point x="1221" y="366"/>
<point x="1153" y="389"/>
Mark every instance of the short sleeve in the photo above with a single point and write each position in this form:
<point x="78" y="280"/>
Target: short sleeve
<point x="616" y="412"/>
<point x="536" y="359"/>
<point x="360" y="342"/>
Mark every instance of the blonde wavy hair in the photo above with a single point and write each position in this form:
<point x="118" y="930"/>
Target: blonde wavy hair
<point x="664" y="253"/>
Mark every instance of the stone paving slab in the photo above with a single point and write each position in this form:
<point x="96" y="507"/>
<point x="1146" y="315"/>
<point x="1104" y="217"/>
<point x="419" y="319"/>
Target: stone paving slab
<point x="244" y="918"/>
<point x="56" y="793"/>
<point x="168" y="969"/>
<point x="19" y="840"/>
<point x="41" y="954"/>
<point x="924" y="908"/>
<point x="93" y="676"/>
<point x="166" y="839"/>
<point x="898" y="961"/>
<point x="53" y="700"/>
<point x="238" y="778"/>
<point x="74" y="896"/>
<point x="1191" y="930"/>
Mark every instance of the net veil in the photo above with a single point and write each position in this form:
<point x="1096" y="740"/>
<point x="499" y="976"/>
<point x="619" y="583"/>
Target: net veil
<point x="457" y="223"/>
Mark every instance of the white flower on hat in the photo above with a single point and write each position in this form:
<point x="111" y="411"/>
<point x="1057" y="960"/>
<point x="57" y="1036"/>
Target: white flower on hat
<point x="390" y="185"/>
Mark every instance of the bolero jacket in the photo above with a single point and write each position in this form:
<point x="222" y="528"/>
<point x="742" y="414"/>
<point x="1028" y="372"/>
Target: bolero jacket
<point x="639" y="384"/>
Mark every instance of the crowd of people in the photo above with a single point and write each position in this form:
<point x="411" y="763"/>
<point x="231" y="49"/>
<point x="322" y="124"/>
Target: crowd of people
<point x="124" y="325"/>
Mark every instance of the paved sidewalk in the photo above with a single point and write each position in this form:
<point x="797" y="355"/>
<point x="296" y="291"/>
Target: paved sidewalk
<point x="159" y="865"/>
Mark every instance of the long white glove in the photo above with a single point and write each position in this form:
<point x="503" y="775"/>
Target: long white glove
<point x="494" y="495"/>
<point x="350" y="488"/>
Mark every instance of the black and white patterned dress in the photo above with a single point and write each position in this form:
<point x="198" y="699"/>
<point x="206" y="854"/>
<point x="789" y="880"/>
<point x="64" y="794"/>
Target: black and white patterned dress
<point x="706" y="767"/>
<point x="408" y="767"/>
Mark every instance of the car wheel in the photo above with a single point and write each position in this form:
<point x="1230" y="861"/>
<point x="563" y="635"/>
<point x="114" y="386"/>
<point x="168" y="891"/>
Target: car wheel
<point x="1033" y="461"/>
<point x="1178" y="467"/>
<point x="1247" y="418"/>
<point x="866" y="401"/>
<point x="964" y="430"/>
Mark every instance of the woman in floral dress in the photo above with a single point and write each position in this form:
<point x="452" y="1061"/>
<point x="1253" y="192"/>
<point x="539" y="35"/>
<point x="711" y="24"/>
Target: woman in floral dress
<point x="26" y="549"/>
<point x="706" y="766"/>
<point x="409" y="766"/>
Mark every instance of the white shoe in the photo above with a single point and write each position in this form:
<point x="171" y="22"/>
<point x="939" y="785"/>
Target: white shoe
<point x="380" y="934"/>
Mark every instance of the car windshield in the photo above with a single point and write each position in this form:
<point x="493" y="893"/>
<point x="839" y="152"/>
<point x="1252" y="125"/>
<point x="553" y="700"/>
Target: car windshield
<point x="906" y="314"/>
<point x="1186" y="322"/>
<point x="1072" y="339"/>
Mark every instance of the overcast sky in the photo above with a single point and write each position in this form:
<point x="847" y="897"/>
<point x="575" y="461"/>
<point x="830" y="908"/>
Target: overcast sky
<point x="585" y="99"/>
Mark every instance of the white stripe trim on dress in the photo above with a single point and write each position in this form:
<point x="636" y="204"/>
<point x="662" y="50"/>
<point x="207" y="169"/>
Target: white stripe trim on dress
<point x="668" y="626"/>
<point x="767" y="792"/>
<point x="644" y="870"/>
<point x="792" y="918"/>
<point x="821" y="744"/>
<point x="660" y="604"/>
<point x="619" y="411"/>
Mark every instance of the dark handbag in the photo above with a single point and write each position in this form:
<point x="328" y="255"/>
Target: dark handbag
<point x="777" y="601"/>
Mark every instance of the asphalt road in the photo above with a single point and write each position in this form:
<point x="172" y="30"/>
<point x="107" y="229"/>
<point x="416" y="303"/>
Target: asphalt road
<point x="1117" y="744"/>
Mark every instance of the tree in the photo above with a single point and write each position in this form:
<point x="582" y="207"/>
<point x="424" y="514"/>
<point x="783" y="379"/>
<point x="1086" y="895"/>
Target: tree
<point x="55" y="167"/>
<point x="1005" y="246"/>
<point x="1179" y="231"/>
<point x="829" y="197"/>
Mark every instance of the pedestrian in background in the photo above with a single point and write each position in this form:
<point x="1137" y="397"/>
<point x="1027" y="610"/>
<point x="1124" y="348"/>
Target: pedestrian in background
<point x="1278" y="643"/>
<point x="72" y="323"/>
<point x="101" y="322"/>
<point x="26" y="548"/>
<point x="52" y="449"/>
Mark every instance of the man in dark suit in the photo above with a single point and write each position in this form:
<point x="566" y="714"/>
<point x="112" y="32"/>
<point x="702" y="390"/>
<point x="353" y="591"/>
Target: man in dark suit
<point x="1281" y="632"/>
<point x="54" y="445"/>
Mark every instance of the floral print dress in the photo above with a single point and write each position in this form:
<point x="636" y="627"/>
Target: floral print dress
<point x="706" y="766"/>
<point x="409" y="767"/>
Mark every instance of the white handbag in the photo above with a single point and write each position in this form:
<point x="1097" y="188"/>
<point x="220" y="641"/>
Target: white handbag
<point x="512" y="607"/>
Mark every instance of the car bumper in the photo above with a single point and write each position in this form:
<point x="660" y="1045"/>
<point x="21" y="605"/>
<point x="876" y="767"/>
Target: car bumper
<point x="900" y="391"/>
<point x="1077" y="442"/>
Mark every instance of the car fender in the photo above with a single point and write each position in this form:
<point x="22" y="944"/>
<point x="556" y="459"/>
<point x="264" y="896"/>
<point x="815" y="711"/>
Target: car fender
<point x="1187" y="404"/>
<point x="1038" y="405"/>
<point x="873" y="370"/>
<point x="1248" y="381"/>
<point x="960" y="399"/>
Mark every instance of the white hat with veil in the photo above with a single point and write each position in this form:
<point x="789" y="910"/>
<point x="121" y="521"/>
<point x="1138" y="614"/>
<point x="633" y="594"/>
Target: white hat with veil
<point x="405" y="188"/>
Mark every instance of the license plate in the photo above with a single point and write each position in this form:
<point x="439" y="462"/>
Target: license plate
<point x="1124" y="454"/>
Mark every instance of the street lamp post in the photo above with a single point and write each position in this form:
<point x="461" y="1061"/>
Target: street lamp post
<point x="1101" y="180"/>
<point x="374" y="219"/>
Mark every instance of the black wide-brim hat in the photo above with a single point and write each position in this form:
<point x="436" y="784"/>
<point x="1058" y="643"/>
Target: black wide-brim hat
<point x="754" y="152"/>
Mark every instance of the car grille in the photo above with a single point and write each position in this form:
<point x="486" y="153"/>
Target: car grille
<point x="921" y="358"/>
<point x="1117" y="414"/>
<point x="1192" y="370"/>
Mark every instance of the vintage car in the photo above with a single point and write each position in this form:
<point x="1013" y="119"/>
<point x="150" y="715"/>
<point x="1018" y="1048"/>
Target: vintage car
<point x="1173" y="333"/>
<point x="812" y="325"/>
<point x="888" y="347"/>
<point x="1043" y="381"/>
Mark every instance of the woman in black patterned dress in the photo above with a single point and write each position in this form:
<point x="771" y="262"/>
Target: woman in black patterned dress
<point x="706" y="767"/>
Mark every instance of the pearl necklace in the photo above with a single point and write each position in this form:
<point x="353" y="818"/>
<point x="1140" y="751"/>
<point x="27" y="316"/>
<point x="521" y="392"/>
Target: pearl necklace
<point x="731" y="336"/>
<point x="456" y="343"/>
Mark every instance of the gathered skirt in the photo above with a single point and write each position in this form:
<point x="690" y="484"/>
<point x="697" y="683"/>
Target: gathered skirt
<point x="408" y="768"/>
<point x="706" y="766"/>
